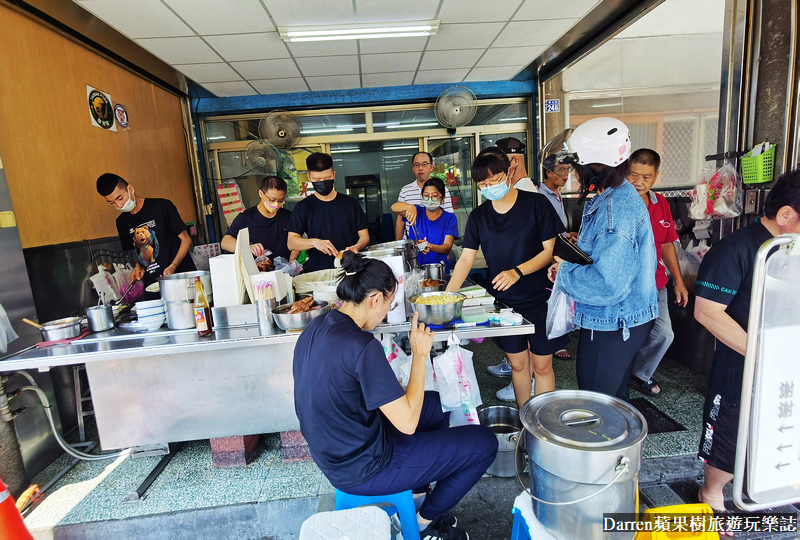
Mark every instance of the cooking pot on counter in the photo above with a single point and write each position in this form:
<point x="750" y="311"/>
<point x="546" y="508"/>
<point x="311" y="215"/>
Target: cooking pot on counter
<point x="101" y="318"/>
<point x="406" y="248"/>
<point x="180" y="287"/>
<point x="68" y="327"/>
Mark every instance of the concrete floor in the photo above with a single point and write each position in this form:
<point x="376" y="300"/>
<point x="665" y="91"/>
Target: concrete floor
<point x="269" y="499"/>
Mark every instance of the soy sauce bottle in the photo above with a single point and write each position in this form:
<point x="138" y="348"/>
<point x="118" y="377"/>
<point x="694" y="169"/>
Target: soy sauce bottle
<point x="202" y="311"/>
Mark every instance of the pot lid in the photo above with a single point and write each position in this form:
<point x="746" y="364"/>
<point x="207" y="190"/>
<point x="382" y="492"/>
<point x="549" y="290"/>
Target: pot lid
<point x="583" y="419"/>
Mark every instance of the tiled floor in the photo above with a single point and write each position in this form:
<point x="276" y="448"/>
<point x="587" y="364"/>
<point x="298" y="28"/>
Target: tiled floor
<point x="96" y="492"/>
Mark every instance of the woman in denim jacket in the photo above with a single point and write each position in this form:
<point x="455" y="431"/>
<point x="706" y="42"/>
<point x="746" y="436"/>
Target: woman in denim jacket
<point x="615" y="297"/>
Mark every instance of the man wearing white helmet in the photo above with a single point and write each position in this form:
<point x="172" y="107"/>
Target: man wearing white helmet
<point x="615" y="296"/>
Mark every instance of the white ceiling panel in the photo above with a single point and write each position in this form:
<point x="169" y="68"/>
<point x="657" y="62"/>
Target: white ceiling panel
<point x="280" y="86"/>
<point x="391" y="45"/>
<point x="324" y="48"/>
<point x="464" y="36"/>
<point x="531" y="33"/>
<point x="533" y="10"/>
<point x="440" y="76"/>
<point x="283" y="68"/>
<point x="238" y="47"/>
<point x="329" y="65"/>
<point x="334" y="82"/>
<point x="224" y="89"/>
<point x="139" y="19"/>
<point x="372" y="11"/>
<point x="395" y="78"/>
<point x="510" y="56"/>
<point x="182" y="50"/>
<point x="383" y="63"/>
<point x="477" y="11"/>
<point x="450" y="59"/>
<point x="493" y="73"/>
<point x="208" y="17"/>
<point x="311" y="12"/>
<point x="206" y="73"/>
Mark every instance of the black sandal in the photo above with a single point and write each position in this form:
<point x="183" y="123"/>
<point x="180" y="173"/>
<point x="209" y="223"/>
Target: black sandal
<point x="646" y="387"/>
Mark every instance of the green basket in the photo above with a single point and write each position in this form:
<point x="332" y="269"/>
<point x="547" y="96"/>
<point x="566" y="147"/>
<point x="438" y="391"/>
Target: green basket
<point x="758" y="169"/>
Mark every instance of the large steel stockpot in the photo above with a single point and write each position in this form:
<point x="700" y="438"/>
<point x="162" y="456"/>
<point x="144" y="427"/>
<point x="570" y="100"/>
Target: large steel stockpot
<point x="578" y="442"/>
<point x="406" y="248"/>
<point x="180" y="286"/>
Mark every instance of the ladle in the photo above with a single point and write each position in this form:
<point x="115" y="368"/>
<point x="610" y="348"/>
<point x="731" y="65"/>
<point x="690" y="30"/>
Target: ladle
<point x="123" y="294"/>
<point x="32" y="323"/>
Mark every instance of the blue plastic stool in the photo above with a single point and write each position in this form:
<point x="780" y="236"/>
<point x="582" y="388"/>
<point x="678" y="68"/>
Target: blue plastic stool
<point x="401" y="503"/>
<point x="519" y="530"/>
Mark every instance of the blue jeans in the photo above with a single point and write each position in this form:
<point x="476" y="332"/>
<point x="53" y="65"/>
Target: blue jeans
<point x="655" y="346"/>
<point x="454" y="458"/>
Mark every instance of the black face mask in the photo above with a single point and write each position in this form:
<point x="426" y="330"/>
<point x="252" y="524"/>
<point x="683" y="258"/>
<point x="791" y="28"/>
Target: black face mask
<point x="324" y="187"/>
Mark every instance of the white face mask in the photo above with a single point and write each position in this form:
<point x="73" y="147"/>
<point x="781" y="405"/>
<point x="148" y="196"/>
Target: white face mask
<point x="130" y="205"/>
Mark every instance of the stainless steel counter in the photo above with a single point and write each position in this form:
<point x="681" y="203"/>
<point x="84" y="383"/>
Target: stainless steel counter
<point x="166" y="386"/>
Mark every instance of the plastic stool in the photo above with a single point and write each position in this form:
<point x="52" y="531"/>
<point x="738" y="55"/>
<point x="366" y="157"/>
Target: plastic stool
<point x="365" y="523"/>
<point x="697" y="508"/>
<point x="401" y="503"/>
<point x="519" y="530"/>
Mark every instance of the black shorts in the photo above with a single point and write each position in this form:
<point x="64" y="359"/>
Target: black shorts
<point x="538" y="342"/>
<point x="720" y="428"/>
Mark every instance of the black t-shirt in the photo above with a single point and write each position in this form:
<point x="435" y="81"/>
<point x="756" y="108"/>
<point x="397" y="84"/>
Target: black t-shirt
<point x="338" y="220"/>
<point x="509" y="240"/>
<point x="726" y="277"/>
<point x="153" y="232"/>
<point x="341" y="379"/>
<point x="269" y="232"/>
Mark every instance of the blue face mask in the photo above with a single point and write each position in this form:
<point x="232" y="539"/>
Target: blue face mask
<point x="496" y="192"/>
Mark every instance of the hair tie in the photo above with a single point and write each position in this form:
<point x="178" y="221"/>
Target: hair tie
<point x="350" y="273"/>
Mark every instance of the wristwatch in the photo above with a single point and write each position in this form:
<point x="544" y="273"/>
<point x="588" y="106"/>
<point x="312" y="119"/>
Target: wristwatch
<point x="518" y="271"/>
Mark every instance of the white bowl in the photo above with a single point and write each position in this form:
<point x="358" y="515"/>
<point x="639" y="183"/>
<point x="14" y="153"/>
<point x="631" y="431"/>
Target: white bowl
<point x="145" y="304"/>
<point x="154" y="311"/>
<point x="152" y="323"/>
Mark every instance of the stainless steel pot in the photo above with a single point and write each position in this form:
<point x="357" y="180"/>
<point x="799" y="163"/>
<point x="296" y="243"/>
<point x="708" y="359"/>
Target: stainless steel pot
<point x="506" y="425"/>
<point x="180" y="314"/>
<point x="297" y="321"/>
<point x="434" y="271"/>
<point x="181" y="286"/>
<point x="61" y="329"/>
<point x="579" y="442"/>
<point x="101" y="318"/>
<point x="438" y="313"/>
<point x="406" y="248"/>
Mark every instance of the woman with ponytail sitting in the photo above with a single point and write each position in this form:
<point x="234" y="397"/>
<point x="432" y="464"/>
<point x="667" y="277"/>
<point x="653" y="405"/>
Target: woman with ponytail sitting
<point x="367" y="434"/>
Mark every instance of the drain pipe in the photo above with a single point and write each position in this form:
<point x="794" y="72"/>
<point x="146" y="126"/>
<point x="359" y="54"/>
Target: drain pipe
<point x="12" y="467"/>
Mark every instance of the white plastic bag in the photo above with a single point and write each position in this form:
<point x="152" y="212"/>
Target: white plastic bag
<point x="560" y="313"/>
<point x="456" y="381"/>
<point x="399" y="361"/>
<point x="717" y="195"/>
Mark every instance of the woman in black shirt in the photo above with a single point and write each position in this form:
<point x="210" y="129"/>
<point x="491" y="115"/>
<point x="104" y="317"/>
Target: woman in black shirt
<point x="367" y="434"/>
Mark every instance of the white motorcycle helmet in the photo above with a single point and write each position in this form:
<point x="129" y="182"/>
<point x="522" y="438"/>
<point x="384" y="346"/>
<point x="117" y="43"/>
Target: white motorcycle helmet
<point x="601" y="140"/>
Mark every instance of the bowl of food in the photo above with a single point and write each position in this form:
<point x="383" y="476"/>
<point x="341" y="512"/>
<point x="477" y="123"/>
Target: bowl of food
<point x="432" y="285"/>
<point x="437" y="307"/>
<point x="297" y="316"/>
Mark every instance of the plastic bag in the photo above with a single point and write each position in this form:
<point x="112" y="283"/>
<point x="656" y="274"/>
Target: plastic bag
<point x="717" y="195"/>
<point x="690" y="264"/>
<point x="399" y="361"/>
<point x="560" y="313"/>
<point x="201" y="254"/>
<point x="457" y="383"/>
<point x="293" y="268"/>
<point x="413" y="282"/>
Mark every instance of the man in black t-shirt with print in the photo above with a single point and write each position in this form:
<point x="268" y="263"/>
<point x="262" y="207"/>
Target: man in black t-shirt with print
<point x="152" y="227"/>
<point x="723" y="304"/>
<point x="332" y="221"/>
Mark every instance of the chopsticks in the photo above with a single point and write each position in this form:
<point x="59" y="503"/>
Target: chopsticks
<point x="264" y="291"/>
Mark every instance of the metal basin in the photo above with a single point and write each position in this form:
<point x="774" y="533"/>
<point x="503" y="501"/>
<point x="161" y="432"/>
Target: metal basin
<point x="438" y="313"/>
<point x="506" y="425"/>
<point x="297" y="321"/>
<point x="68" y="327"/>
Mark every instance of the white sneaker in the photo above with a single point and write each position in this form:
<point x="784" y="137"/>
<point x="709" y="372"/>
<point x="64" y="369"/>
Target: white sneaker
<point x="507" y="393"/>
<point x="503" y="369"/>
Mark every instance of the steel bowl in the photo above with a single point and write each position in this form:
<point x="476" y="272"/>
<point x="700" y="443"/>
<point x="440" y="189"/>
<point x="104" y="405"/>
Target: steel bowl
<point x="440" y="313"/>
<point x="69" y="327"/>
<point x="297" y="321"/>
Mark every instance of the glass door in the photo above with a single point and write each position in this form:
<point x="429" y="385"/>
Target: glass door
<point x="452" y="162"/>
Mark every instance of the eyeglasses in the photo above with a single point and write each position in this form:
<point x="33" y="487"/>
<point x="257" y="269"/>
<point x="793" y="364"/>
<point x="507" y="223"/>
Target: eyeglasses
<point x="489" y="182"/>
<point x="432" y="198"/>
<point x="275" y="201"/>
<point x="422" y="165"/>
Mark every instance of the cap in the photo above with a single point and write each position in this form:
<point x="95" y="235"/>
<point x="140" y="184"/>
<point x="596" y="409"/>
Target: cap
<point x="511" y="145"/>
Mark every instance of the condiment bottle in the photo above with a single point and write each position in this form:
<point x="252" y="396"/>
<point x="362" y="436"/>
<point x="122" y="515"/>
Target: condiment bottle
<point x="202" y="311"/>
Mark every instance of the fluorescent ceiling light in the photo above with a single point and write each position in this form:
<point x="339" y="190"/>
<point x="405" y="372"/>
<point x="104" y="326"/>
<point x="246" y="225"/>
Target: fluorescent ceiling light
<point x="514" y="119"/>
<point x="400" y="147"/>
<point x="345" y="151"/>
<point x="326" y="130"/>
<point x="601" y="105"/>
<point x="359" y="31"/>
<point x="419" y="124"/>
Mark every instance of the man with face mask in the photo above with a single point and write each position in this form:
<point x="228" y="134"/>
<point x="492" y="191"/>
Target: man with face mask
<point x="332" y="222"/>
<point x="422" y="166"/>
<point x="152" y="227"/>
<point x="266" y="222"/>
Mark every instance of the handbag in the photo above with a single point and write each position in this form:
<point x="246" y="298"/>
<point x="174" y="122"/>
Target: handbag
<point x="569" y="252"/>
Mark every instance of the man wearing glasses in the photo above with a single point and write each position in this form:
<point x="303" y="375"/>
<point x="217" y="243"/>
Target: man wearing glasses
<point x="422" y="166"/>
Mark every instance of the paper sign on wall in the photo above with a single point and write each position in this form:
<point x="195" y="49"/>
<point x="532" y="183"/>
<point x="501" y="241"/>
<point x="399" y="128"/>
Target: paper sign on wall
<point x="101" y="110"/>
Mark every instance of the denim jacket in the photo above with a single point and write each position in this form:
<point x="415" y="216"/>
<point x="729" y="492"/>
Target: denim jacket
<point x="618" y="290"/>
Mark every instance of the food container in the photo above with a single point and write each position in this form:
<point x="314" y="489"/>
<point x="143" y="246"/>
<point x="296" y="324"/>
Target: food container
<point x="68" y="327"/>
<point x="505" y="423"/>
<point x="101" y="318"/>
<point x="181" y="286"/>
<point x="438" y="313"/>
<point x="435" y="288"/>
<point x="434" y="271"/>
<point x="580" y="443"/>
<point x="180" y="315"/>
<point x="406" y="248"/>
<point x="297" y="321"/>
